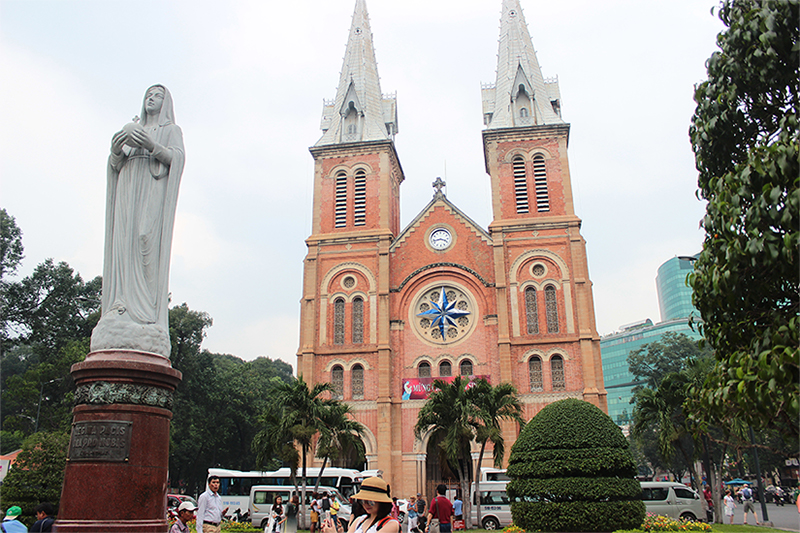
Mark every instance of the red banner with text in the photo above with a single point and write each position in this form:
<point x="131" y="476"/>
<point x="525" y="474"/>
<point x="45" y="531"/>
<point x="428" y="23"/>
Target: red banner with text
<point x="420" y="388"/>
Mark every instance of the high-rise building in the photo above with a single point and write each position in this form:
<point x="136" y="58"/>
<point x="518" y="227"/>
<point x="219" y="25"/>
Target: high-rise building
<point x="675" y="303"/>
<point x="385" y="309"/>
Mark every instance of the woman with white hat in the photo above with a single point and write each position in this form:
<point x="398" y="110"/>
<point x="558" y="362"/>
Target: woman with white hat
<point x="376" y="499"/>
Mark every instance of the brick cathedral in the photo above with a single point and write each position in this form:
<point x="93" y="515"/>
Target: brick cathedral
<point x="385" y="309"/>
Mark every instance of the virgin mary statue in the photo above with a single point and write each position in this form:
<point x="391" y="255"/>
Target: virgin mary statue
<point x="144" y="173"/>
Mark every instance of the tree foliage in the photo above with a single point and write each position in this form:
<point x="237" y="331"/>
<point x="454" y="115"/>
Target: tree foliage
<point x="571" y="470"/>
<point x="745" y="283"/>
<point x="37" y="474"/>
<point x="669" y="354"/>
<point x="11" y="248"/>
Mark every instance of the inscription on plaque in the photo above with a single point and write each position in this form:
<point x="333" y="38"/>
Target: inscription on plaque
<point x="100" y="440"/>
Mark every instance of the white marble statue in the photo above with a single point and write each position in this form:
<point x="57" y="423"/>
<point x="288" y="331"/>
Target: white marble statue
<point x="144" y="173"/>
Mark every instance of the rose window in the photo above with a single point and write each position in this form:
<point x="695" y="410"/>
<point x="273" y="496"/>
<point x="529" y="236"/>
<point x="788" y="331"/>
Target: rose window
<point x="443" y="315"/>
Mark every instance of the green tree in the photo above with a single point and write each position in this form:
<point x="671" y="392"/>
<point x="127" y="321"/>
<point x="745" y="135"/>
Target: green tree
<point x="339" y="433"/>
<point x="745" y="138"/>
<point x="450" y="415"/>
<point x="303" y="412"/>
<point x="37" y="474"/>
<point x="10" y="245"/>
<point x="668" y="354"/>
<point x="495" y="404"/>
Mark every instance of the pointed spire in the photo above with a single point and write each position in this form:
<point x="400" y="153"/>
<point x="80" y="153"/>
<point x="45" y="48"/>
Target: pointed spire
<point x="521" y="96"/>
<point x="359" y="112"/>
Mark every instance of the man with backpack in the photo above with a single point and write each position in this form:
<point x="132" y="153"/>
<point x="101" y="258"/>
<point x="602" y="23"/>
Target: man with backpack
<point x="747" y="498"/>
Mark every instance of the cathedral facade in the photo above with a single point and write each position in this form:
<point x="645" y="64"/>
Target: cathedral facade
<point x="385" y="310"/>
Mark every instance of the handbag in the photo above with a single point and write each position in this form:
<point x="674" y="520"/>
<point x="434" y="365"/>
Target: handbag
<point x="434" y="526"/>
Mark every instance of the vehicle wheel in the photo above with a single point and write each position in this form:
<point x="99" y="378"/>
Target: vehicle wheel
<point x="688" y="516"/>
<point x="490" y="523"/>
<point x="264" y="524"/>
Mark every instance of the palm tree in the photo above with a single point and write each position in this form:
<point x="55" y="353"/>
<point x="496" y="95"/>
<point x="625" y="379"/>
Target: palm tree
<point x="298" y="414"/>
<point x="451" y="415"/>
<point x="339" y="433"/>
<point x="494" y="404"/>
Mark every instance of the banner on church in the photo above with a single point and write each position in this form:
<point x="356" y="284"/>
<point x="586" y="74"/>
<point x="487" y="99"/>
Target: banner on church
<point x="420" y="388"/>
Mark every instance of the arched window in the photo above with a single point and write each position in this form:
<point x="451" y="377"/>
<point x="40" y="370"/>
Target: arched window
<point x="465" y="367"/>
<point x="535" y="373"/>
<point x="531" y="311"/>
<point x="341" y="200"/>
<point x="337" y="381"/>
<point x="357" y="382"/>
<point x="338" y="321"/>
<point x="557" y="372"/>
<point x="424" y="370"/>
<point x="540" y="180"/>
<point x="551" y="308"/>
<point x="520" y="184"/>
<point x="360" y="199"/>
<point x="358" y="320"/>
<point x="523" y="112"/>
<point x="445" y="369"/>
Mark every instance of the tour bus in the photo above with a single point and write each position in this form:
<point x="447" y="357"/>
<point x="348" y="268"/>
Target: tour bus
<point x="494" y="474"/>
<point x="263" y="496"/>
<point x="235" y="485"/>
<point x="495" y="505"/>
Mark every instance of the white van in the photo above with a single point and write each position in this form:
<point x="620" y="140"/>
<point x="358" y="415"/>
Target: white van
<point x="672" y="499"/>
<point x="495" y="505"/>
<point x="263" y="496"/>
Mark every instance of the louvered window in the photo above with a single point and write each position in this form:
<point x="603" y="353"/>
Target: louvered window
<point x="360" y="199"/>
<point x="535" y="374"/>
<point x="358" y="321"/>
<point x="465" y="367"/>
<point x="531" y="312"/>
<point x="357" y="385"/>
<point x="338" y="321"/>
<point x="551" y="307"/>
<point x="540" y="180"/>
<point x="341" y="199"/>
<point x="337" y="381"/>
<point x="424" y="370"/>
<point x="520" y="184"/>
<point x="557" y="372"/>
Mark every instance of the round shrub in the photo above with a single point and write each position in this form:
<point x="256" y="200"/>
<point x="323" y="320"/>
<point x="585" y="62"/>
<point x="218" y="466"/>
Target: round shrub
<point x="571" y="470"/>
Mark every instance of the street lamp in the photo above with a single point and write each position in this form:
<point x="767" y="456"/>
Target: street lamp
<point x="39" y="407"/>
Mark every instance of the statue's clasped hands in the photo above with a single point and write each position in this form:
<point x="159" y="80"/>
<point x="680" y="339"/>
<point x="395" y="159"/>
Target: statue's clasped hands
<point x="132" y="134"/>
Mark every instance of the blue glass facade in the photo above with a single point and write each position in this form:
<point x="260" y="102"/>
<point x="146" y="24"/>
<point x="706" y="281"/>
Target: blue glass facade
<point x="674" y="297"/>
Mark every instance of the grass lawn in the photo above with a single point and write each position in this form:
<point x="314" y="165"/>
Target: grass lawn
<point x="717" y="528"/>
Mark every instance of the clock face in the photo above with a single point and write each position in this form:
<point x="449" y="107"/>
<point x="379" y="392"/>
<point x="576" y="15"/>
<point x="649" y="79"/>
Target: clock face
<point x="440" y="239"/>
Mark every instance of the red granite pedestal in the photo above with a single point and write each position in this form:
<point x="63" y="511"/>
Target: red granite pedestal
<point x="117" y="466"/>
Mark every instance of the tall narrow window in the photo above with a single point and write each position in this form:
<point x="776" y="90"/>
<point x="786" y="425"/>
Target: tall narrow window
<point x="424" y="370"/>
<point x="341" y="200"/>
<point x="338" y="321"/>
<point x="551" y="309"/>
<point x="360" y="199"/>
<point x="358" y="320"/>
<point x="357" y="384"/>
<point x="337" y="381"/>
<point x="520" y="184"/>
<point x="540" y="180"/>
<point x="445" y="369"/>
<point x="557" y="372"/>
<point x="535" y="373"/>
<point x="531" y="312"/>
<point x="465" y="367"/>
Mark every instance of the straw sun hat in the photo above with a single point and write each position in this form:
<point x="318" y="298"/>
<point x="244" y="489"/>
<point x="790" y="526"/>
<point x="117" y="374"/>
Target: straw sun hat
<point x="374" y="489"/>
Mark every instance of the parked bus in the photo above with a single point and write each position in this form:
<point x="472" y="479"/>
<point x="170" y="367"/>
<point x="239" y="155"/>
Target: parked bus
<point x="235" y="485"/>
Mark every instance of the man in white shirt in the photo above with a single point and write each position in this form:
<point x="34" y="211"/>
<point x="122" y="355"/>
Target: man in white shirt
<point x="209" y="508"/>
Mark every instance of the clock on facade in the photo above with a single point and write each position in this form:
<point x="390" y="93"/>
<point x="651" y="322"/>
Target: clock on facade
<point x="440" y="239"/>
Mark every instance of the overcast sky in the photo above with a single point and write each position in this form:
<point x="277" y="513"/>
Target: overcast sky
<point x="248" y="79"/>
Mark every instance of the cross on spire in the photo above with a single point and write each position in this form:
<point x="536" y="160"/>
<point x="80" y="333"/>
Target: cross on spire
<point x="439" y="184"/>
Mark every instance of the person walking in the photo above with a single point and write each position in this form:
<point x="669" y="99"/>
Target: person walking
<point x="209" y="508"/>
<point x="747" y="499"/>
<point x="413" y="516"/>
<point x="422" y="521"/>
<point x="442" y="510"/>
<point x="730" y="505"/>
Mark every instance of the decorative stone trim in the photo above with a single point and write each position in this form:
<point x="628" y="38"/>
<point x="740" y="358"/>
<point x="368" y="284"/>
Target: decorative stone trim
<point x="436" y="265"/>
<point x="105" y="393"/>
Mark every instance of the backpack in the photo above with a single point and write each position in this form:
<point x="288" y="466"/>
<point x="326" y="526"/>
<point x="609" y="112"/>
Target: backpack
<point x="326" y="504"/>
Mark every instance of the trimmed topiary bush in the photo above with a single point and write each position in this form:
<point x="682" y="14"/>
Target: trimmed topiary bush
<point x="571" y="470"/>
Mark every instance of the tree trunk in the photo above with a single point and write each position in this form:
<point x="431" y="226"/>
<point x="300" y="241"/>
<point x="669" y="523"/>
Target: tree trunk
<point x="321" y="470"/>
<point x="303" y="491"/>
<point x="464" y="482"/>
<point x="478" y="484"/>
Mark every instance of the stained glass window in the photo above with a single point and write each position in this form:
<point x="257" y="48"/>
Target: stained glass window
<point x="358" y="321"/>
<point x="551" y="307"/>
<point x="357" y="385"/>
<point x="535" y="373"/>
<point x="531" y="312"/>
<point x="337" y="380"/>
<point x="557" y="372"/>
<point x="338" y="321"/>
